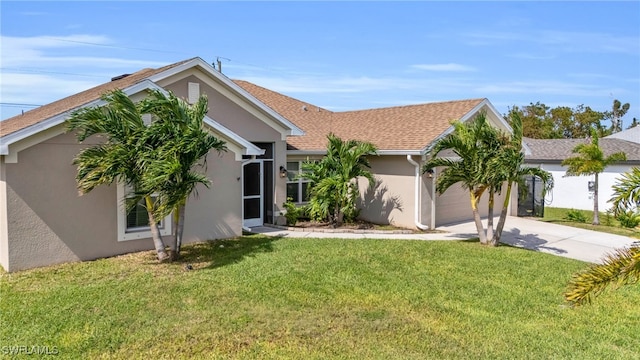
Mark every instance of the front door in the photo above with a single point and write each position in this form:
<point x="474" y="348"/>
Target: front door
<point x="252" y="190"/>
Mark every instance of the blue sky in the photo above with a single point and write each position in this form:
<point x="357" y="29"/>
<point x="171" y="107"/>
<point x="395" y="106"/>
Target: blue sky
<point x="338" y="55"/>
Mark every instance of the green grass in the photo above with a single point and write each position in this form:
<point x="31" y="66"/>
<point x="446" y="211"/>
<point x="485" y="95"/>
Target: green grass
<point x="558" y="216"/>
<point x="265" y="298"/>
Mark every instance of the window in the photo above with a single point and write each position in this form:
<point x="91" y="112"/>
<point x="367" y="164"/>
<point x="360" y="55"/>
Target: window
<point x="135" y="224"/>
<point x="297" y="189"/>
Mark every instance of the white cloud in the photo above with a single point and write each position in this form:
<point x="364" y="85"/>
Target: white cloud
<point x="449" y="67"/>
<point x="547" y="88"/>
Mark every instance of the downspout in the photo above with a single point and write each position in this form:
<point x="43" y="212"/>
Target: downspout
<point x="417" y="198"/>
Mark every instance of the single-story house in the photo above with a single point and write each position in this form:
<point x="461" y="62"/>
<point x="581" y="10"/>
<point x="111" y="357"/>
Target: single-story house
<point x="43" y="220"/>
<point x="576" y="192"/>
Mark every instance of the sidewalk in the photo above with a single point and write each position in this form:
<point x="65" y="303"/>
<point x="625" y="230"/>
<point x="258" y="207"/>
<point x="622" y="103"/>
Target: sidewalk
<point x="566" y="241"/>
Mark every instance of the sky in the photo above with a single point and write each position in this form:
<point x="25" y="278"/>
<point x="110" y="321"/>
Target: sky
<point x="337" y="55"/>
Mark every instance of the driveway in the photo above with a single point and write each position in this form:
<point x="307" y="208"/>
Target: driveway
<point x="528" y="233"/>
<point x="580" y="244"/>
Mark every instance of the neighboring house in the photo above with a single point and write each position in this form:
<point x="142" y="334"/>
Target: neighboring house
<point x="574" y="192"/>
<point x="43" y="221"/>
<point x="403" y="135"/>
<point x="632" y="134"/>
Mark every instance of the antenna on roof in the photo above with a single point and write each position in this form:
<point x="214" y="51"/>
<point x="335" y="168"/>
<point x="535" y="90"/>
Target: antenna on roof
<point x="219" y="64"/>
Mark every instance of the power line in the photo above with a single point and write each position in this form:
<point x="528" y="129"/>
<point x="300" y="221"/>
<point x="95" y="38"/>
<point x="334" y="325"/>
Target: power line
<point x="18" y="104"/>
<point x="114" y="46"/>
<point x="31" y="70"/>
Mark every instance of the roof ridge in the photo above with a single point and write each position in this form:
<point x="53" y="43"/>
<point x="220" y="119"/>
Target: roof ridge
<point x="415" y="105"/>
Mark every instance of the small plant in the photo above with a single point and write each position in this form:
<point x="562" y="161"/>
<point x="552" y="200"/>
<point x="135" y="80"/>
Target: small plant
<point x="629" y="219"/>
<point x="293" y="212"/>
<point x="608" y="217"/>
<point x="576" y="216"/>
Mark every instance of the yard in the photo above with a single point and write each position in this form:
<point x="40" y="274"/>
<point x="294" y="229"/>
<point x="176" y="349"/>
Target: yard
<point x="259" y="297"/>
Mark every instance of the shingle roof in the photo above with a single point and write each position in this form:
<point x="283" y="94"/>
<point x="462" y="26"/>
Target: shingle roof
<point x="45" y="112"/>
<point x="410" y="127"/>
<point x="560" y="149"/>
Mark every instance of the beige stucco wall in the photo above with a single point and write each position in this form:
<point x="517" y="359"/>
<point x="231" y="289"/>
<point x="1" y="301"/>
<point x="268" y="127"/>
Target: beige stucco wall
<point x="47" y="221"/>
<point x="392" y="199"/>
<point x="215" y="212"/>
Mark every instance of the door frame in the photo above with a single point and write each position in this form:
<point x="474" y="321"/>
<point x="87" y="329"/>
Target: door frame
<point x="252" y="222"/>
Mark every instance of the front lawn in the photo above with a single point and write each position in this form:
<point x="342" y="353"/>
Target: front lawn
<point x="608" y="224"/>
<point x="266" y="298"/>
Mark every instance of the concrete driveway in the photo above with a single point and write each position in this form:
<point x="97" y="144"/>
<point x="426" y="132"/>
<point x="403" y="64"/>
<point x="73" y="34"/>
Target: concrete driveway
<point x="528" y="233"/>
<point x="585" y="245"/>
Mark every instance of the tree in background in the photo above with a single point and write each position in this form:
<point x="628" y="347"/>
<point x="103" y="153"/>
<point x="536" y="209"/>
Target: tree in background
<point x="542" y="122"/>
<point x="181" y="145"/>
<point x="125" y="135"/>
<point x="590" y="160"/>
<point x="333" y="188"/>
<point x="633" y="124"/>
<point x="618" y="110"/>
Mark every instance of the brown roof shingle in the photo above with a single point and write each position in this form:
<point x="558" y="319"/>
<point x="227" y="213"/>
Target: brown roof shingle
<point x="410" y="127"/>
<point x="560" y="149"/>
<point x="50" y="110"/>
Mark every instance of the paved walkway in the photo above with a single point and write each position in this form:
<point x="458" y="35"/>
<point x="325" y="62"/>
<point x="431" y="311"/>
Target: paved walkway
<point x="566" y="241"/>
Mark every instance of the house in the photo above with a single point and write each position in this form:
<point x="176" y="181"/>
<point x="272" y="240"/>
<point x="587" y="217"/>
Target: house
<point x="576" y="192"/>
<point x="43" y="220"/>
<point x="402" y="195"/>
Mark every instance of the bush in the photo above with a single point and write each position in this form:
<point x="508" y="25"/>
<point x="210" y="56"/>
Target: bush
<point x="293" y="212"/>
<point x="628" y="219"/>
<point x="576" y="216"/>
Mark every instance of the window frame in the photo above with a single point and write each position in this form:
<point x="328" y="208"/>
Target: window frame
<point x="139" y="232"/>
<point x="298" y="181"/>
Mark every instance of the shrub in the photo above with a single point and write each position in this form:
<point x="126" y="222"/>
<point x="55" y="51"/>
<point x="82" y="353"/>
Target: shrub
<point x="576" y="216"/>
<point x="628" y="218"/>
<point x="293" y="212"/>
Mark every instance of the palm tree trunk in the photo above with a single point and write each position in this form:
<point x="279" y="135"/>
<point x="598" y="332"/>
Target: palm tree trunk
<point x="503" y="215"/>
<point x="155" y="232"/>
<point x="596" y="215"/>
<point x="179" y="229"/>
<point x="476" y="217"/>
<point x="490" y="218"/>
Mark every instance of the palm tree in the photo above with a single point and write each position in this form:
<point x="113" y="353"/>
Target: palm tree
<point x="180" y="145"/>
<point x="333" y="188"/>
<point x="591" y="161"/>
<point x="120" y="123"/>
<point x="619" y="268"/>
<point x="508" y="166"/>
<point x="474" y="144"/>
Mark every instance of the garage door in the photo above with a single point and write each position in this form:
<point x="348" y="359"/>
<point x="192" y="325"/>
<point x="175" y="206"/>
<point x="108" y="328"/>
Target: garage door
<point x="454" y="206"/>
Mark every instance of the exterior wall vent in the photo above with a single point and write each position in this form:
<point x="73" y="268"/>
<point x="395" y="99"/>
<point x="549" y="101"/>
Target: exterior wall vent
<point x="193" y="92"/>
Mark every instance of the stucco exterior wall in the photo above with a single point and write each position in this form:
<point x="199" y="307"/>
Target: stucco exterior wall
<point x="392" y="198"/>
<point x="215" y="213"/>
<point x="573" y="192"/>
<point x="47" y="221"/>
